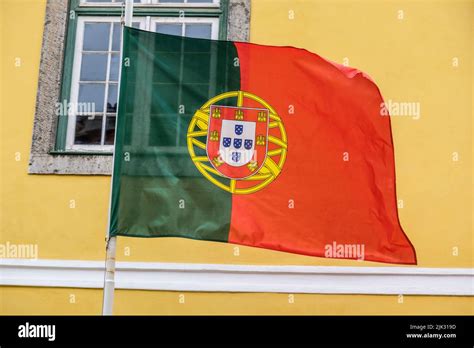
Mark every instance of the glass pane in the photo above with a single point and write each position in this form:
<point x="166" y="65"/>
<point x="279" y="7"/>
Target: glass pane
<point x="193" y="1"/>
<point x="191" y="96"/>
<point x="171" y="1"/>
<point x="164" y="130"/>
<point x="112" y="99"/>
<point x="93" y="67"/>
<point x="109" y="131"/>
<point x="92" y="93"/>
<point x="98" y="1"/>
<point x="170" y="29"/>
<point x="88" y="130"/>
<point x="96" y="37"/>
<point x="172" y="63"/>
<point x="116" y="36"/>
<point x="114" y="67"/>
<point x="197" y="72"/>
<point x="165" y="100"/>
<point x="201" y="31"/>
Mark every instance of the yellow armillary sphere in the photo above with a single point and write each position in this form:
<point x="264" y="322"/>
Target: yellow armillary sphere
<point x="260" y="174"/>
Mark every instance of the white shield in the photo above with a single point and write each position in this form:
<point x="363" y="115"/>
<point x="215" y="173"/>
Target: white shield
<point x="237" y="142"/>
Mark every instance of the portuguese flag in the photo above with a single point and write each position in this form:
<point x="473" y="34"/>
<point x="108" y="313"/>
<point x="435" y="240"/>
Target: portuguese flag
<point x="264" y="146"/>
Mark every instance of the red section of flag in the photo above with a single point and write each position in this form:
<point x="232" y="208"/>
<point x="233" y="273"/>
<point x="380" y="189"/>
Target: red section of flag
<point x="337" y="187"/>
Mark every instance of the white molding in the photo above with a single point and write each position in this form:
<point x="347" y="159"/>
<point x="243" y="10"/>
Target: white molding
<point x="240" y="278"/>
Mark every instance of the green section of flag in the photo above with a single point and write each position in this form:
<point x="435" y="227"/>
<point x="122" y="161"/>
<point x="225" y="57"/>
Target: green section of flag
<point x="157" y="191"/>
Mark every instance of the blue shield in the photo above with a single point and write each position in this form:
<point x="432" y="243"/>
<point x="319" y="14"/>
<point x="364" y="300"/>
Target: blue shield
<point x="226" y="141"/>
<point x="239" y="129"/>
<point x="248" y="144"/>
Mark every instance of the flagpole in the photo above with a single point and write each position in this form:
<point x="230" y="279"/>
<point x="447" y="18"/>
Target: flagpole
<point x="111" y="246"/>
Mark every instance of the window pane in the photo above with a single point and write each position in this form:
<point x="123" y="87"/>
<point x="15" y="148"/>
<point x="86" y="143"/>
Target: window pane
<point x="92" y="93"/>
<point x="114" y="67"/>
<point x="167" y="103"/>
<point x="171" y="1"/>
<point x="93" y="67"/>
<point x="172" y="62"/>
<point x="112" y="99"/>
<point x="117" y="34"/>
<point x="193" y="1"/>
<point x="98" y="1"/>
<point x="201" y="31"/>
<point x="109" y="131"/>
<point x="96" y="37"/>
<point x="88" y="130"/>
<point x="190" y="96"/>
<point x="170" y="29"/>
<point x="197" y="72"/>
<point x="164" y="131"/>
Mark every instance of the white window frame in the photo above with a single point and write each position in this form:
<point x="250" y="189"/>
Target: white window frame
<point x="146" y="23"/>
<point x="187" y="20"/>
<point x="214" y="3"/>
<point x="155" y="3"/>
<point x="71" y="126"/>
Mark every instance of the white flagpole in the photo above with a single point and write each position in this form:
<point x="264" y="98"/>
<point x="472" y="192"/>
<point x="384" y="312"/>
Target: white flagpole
<point x="109" y="278"/>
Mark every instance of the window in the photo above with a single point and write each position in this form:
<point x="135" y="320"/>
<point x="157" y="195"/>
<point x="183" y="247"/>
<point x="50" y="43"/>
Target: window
<point x="94" y="85"/>
<point x="79" y="72"/>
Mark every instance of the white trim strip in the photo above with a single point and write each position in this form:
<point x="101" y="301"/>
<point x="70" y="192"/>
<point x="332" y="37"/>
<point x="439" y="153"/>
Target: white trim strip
<point x="240" y="278"/>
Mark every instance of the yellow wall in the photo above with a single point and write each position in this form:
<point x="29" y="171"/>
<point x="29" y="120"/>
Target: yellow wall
<point x="410" y="59"/>
<point x="42" y="301"/>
